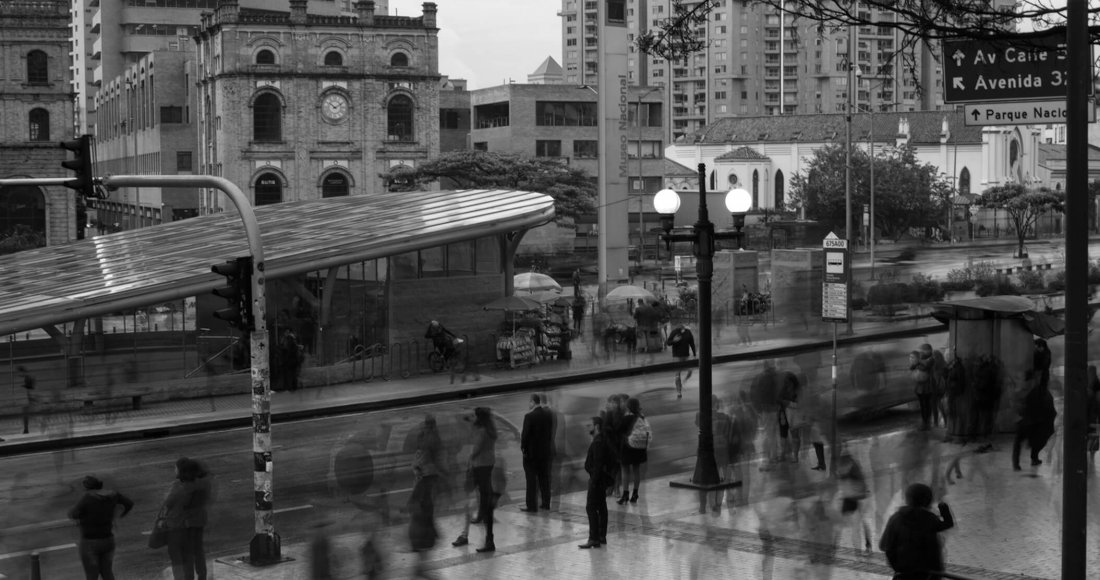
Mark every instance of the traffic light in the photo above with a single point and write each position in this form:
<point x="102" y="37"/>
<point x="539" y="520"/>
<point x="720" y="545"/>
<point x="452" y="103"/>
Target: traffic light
<point x="83" y="165"/>
<point x="237" y="293"/>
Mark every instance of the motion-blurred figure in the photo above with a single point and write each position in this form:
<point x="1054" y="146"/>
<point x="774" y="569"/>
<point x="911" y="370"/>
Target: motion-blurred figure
<point x="634" y="449"/>
<point x="682" y="342"/>
<point x="421" y="504"/>
<point x="920" y="371"/>
<point x="482" y="460"/>
<point x="95" y="512"/>
<point x="602" y="467"/>
<point x="911" y="538"/>
<point x="722" y="430"/>
<point x="853" y="491"/>
<point x="1036" y="424"/>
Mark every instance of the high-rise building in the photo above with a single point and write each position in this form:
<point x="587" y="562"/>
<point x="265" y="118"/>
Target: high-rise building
<point x="758" y="62"/>
<point x="36" y="112"/>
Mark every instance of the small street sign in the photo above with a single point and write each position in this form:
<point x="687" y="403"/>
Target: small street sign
<point x="834" y="286"/>
<point x="1020" y="113"/>
<point x="1020" y="67"/>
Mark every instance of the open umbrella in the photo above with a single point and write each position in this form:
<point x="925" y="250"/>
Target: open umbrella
<point x="549" y="298"/>
<point x="513" y="304"/>
<point x="624" y="293"/>
<point x="534" y="282"/>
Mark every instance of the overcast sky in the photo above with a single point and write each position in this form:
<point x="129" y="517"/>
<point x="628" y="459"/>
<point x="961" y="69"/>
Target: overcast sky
<point x="488" y="42"/>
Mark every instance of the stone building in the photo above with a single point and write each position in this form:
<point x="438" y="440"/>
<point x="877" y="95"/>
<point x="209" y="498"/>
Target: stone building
<point x="295" y="106"/>
<point x="36" y="112"/>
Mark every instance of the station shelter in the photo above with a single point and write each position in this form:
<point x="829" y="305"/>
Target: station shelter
<point x="349" y="276"/>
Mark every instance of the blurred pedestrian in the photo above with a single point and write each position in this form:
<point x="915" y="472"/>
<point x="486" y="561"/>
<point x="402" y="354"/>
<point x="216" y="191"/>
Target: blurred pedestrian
<point x="1093" y="442"/>
<point x="602" y="467"/>
<point x="744" y="446"/>
<point x="32" y="399"/>
<point x="682" y="342"/>
<point x="578" y="307"/>
<point x="987" y="398"/>
<point x="613" y="415"/>
<point x="911" y="539"/>
<point x="1041" y="360"/>
<point x="181" y="494"/>
<point x="1036" y="423"/>
<point x="196" y="516"/>
<point x="721" y="427"/>
<point x="635" y="449"/>
<point x="482" y="459"/>
<point x="853" y="490"/>
<point x="95" y="513"/>
<point x="537" y="446"/>
<point x="920" y="372"/>
<point x="426" y="472"/>
<point x="764" y="398"/>
<point x="939" y="384"/>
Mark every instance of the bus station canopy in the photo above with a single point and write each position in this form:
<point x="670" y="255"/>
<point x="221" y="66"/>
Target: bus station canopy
<point x="144" y="266"/>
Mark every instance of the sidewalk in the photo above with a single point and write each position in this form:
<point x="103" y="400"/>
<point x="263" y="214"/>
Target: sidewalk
<point x="1007" y="528"/>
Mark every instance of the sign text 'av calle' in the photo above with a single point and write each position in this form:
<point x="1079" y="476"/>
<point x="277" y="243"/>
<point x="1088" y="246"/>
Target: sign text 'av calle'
<point x="1021" y="67"/>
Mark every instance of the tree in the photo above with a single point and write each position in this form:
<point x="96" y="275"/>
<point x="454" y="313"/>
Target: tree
<point x="907" y="193"/>
<point x="573" y="190"/>
<point x="1023" y="205"/>
<point x="19" y="238"/>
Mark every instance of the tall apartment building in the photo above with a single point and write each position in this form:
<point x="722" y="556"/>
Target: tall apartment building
<point x="110" y="36"/>
<point x="761" y="63"/>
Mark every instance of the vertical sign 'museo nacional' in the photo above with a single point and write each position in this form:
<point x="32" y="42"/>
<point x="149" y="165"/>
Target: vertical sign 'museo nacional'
<point x="834" y="285"/>
<point x="612" y="110"/>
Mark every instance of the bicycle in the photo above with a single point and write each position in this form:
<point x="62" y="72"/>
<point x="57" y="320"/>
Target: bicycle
<point x="451" y="358"/>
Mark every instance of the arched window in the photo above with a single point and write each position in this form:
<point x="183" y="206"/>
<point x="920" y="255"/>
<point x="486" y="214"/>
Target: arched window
<point x="267" y="118"/>
<point x="779" y="201"/>
<point x="265" y="56"/>
<point x="23" y="215"/>
<point x="755" y="188"/>
<point x="334" y="58"/>
<point x="399" y="59"/>
<point x="39" y="125"/>
<point x="38" y="68"/>
<point x="269" y="189"/>
<point x="399" y="119"/>
<point x="334" y="185"/>
<point x="964" y="181"/>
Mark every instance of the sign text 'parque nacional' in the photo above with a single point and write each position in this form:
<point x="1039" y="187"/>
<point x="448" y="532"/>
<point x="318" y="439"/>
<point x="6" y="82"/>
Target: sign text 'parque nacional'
<point x="1020" y="67"/>
<point x="1019" y="113"/>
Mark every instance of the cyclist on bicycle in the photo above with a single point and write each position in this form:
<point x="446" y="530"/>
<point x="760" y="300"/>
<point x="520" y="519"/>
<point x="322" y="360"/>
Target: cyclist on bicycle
<point x="442" y="339"/>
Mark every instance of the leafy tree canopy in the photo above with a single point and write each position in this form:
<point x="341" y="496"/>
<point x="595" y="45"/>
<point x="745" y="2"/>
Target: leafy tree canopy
<point x="19" y="238"/>
<point x="573" y="190"/>
<point x="908" y="194"/>
<point x="1024" y="205"/>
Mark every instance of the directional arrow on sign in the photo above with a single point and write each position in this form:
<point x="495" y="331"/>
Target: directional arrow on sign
<point x="957" y="83"/>
<point x="958" y="57"/>
<point x="976" y="115"/>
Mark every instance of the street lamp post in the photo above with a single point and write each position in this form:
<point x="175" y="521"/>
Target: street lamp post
<point x="706" y="477"/>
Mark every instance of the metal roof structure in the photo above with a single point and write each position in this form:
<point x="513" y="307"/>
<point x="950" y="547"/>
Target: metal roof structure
<point x="140" y="267"/>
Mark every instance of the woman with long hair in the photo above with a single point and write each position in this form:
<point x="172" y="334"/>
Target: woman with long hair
<point x="634" y="454"/>
<point x="482" y="459"/>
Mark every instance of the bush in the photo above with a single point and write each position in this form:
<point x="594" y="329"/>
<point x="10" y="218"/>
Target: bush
<point x="1031" y="281"/>
<point x="907" y="255"/>
<point x="957" y="286"/>
<point x="925" y="289"/>
<point x="886" y="298"/>
<point x="995" y="285"/>
<point x="1057" y="282"/>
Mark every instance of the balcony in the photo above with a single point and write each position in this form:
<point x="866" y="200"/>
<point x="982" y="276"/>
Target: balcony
<point x="97" y="19"/>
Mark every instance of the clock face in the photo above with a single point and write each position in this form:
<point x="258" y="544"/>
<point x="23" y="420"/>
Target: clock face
<point x="334" y="107"/>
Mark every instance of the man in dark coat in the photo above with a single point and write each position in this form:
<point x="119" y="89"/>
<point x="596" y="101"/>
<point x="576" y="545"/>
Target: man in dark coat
<point x="682" y="342"/>
<point x="96" y="512"/>
<point x="537" y="445"/>
<point x="1036" y="423"/>
<point x="911" y="538"/>
<point x="601" y="465"/>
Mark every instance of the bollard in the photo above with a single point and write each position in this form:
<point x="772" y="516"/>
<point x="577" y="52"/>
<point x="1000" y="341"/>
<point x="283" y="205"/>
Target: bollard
<point x="36" y="566"/>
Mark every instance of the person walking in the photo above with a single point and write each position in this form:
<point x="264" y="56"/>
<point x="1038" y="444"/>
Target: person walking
<point x="482" y="460"/>
<point x="853" y="491"/>
<point x="537" y="446"/>
<point x="721" y="427"/>
<point x="195" y="516"/>
<point x="32" y="399"/>
<point x="601" y="466"/>
<point x="634" y="449"/>
<point x="911" y="539"/>
<point x="95" y="513"/>
<point x="613" y="415"/>
<point x="180" y="496"/>
<point x="743" y="448"/>
<point x="682" y="342"/>
<point x="1036" y="424"/>
<point x="764" y="398"/>
<point x="920" y="371"/>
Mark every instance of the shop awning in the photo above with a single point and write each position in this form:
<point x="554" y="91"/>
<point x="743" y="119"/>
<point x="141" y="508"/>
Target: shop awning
<point x="140" y="267"/>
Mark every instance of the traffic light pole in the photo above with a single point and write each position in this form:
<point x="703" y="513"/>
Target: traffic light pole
<point x="265" y="546"/>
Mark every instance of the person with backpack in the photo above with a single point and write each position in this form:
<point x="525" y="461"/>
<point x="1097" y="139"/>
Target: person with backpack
<point x="634" y="450"/>
<point x="602" y="466"/>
